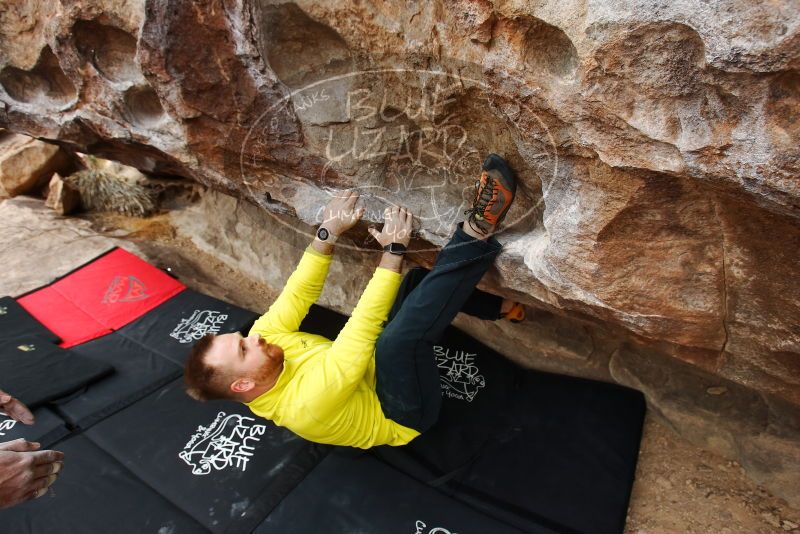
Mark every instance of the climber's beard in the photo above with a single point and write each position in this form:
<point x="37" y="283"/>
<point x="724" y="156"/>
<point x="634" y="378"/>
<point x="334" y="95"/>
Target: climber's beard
<point x="273" y="362"/>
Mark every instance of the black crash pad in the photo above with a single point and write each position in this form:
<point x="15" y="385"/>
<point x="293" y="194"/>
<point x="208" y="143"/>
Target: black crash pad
<point x="348" y="493"/>
<point x="215" y="460"/>
<point x="536" y="450"/>
<point x="566" y="458"/>
<point x="137" y="372"/>
<point x="476" y="388"/>
<point x="15" y="321"/>
<point x="514" y="450"/>
<point x="35" y="371"/>
<point x="323" y="322"/>
<point x="95" y="494"/>
<point x="46" y="429"/>
<point x="476" y="385"/>
<point x="173" y="327"/>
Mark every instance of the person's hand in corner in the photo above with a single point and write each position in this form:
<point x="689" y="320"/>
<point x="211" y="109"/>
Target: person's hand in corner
<point x="26" y="472"/>
<point x="15" y="409"/>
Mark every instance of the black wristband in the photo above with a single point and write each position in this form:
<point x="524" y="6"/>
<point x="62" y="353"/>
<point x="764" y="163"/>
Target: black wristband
<point x="398" y="249"/>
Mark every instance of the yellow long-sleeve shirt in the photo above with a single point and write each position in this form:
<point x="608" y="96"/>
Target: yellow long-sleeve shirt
<point x="326" y="391"/>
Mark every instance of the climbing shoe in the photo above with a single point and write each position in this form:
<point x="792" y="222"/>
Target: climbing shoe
<point x="494" y="192"/>
<point x="516" y="314"/>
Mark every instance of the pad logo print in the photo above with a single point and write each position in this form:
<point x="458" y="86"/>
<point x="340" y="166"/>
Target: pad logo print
<point x="3" y="310"/>
<point x="227" y="442"/>
<point x="422" y="529"/>
<point x="126" y="288"/>
<point x="459" y="375"/>
<point x="201" y="322"/>
<point x="26" y="348"/>
<point x="6" y="425"/>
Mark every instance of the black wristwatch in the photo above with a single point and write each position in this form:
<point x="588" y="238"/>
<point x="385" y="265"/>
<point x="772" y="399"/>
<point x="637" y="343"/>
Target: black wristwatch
<point x="398" y="249"/>
<point x="323" y="234"/>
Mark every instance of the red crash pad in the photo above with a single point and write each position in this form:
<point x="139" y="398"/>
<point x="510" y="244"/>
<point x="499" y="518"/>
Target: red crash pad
<point x="100" y="297"/>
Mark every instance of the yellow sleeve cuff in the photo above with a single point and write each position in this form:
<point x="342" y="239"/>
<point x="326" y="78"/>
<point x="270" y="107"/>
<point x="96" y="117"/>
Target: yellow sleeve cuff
<point x="382" y="273"/>
<point x="312" y="251"/>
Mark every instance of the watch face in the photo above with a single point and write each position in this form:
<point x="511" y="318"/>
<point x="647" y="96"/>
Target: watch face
<point x="322" y="233"/>
<point x="395" y="248"/>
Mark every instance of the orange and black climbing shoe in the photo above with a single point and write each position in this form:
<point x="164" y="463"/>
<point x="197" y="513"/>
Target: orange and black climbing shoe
<point x="494" y="193"/>
<point x="516" y="314"/>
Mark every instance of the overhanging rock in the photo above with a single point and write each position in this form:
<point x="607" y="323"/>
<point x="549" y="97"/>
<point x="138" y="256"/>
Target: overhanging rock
<point x="657" y="146"/>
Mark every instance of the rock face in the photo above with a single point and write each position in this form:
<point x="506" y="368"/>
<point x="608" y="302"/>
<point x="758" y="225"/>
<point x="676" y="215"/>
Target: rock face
<point x="60" y="197"/>
<point x="30" y="230"/>
<point x="657" y="232"/>
<point x="26" y="163"/>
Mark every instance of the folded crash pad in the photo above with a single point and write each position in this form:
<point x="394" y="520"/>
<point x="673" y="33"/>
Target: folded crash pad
<point x="35" y="371"/>
<point x="100" y="297"/>
<point x="46" y="429"/>
<point x="216" y="461"/>
<point x="137" y="372"/>
<point x="15" y="321"/>
<point x="95" y="494"/>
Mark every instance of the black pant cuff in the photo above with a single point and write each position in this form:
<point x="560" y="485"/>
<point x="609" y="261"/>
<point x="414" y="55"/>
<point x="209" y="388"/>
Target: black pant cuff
<point x="460" y="236"/>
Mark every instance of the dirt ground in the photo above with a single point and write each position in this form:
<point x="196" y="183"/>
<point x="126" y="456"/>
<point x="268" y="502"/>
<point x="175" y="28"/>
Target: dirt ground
<point x="682" y="488"/>
<point x="679" y="487"/>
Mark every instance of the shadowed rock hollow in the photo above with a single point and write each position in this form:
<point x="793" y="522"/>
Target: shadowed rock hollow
<point x="657" y="235"/>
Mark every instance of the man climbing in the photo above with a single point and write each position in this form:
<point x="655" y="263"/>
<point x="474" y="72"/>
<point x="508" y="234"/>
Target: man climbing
<point x="372" y="385"/>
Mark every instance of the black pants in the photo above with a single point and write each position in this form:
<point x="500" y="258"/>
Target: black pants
<point x="428" y="301"/>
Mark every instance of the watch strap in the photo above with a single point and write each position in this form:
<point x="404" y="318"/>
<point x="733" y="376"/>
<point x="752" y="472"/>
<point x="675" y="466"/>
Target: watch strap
<point x="395" y="248"/>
